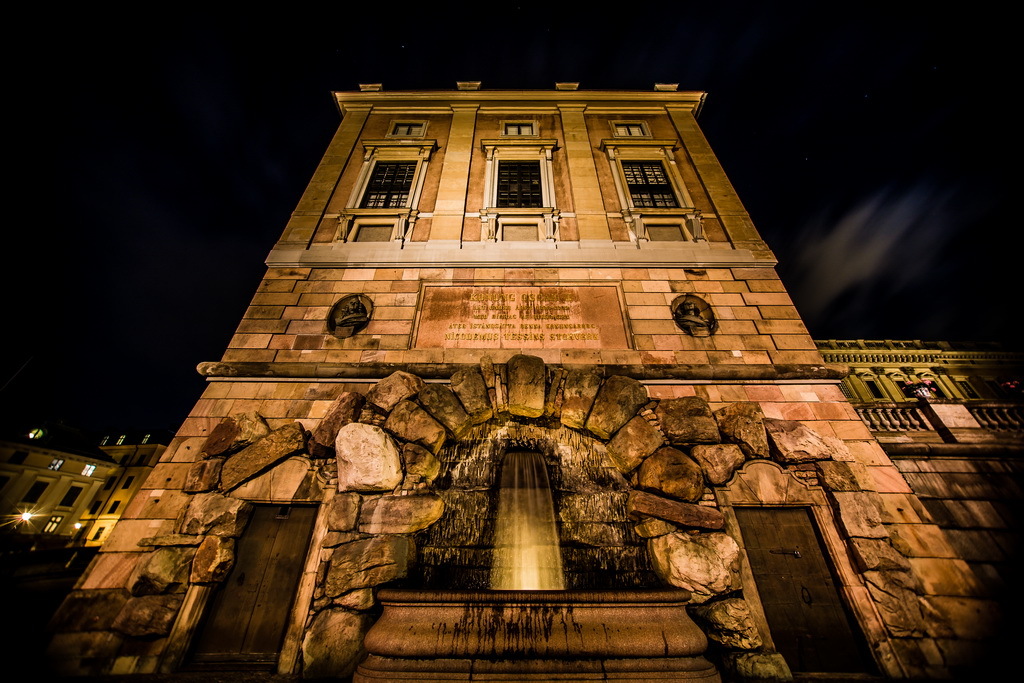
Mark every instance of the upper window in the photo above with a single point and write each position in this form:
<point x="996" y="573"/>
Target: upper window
<point x="406" y="129"/>
<point x="88" y="470"/>
<point x="389" y="185"/>
<point x="519" y="184"/>
<point x="630" y="129"/>
<point x="18" y="457"/>
<point x="34" y="493"/>
<point x="519" y="128"/>
<point x="52" y="525"/>
<point x="70" y="497"/>
<point x="56" y="464"/>
<point x="648" y="185"/>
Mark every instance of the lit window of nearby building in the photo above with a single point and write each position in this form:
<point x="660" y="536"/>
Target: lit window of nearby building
<point x="519" y="128"/>
<point x="35" y="492"/>
<point x="120" y="439"/>
<point x="389" y="185"/>
<point x="113" y="507"/>
<point x="408" y="130"/>
<point x="95" y="507"/>
<point x="99" y="532"/>
<point x="519" y="184"/>
<point x="648" y="185"/>
<point x="127" y="482"/>
<point x="88" y="470"/>
<point x="51" y="526"/>
<point x="105" y="440"/>
<point x="70" y="497"/>
<point x="110" y="482"/>
<point x="145" y="438"/>
<point x="55" y="464"/>
<point x="630" y="129"/>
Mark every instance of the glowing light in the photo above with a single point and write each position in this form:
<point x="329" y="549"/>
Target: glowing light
<point x="26" y="516"/>
<point x="78" y="525"/>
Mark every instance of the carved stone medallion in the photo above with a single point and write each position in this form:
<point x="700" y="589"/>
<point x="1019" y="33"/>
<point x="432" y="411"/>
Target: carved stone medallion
<point x="694" y="316"/>
<point x="349" y="315"/>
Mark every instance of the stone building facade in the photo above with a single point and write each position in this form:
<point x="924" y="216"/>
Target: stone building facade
<point x="564" y="271"/>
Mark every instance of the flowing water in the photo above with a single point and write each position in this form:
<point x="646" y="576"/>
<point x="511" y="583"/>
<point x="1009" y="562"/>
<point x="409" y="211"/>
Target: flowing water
<point x="527" y="555"/>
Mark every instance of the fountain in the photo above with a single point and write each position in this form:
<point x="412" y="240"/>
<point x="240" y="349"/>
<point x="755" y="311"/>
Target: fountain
<point x="526" y="627"/>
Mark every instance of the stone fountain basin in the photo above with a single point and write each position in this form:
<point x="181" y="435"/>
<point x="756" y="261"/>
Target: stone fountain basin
<point x="533" y="635"/>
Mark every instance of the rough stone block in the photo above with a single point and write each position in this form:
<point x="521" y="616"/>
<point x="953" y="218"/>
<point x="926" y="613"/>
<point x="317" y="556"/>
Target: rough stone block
<point x="670" y="472"/>
<point x="578" y="394"/>
<point x="333" y="644"/>
<point x="343" y="410"/>
<point x="411" y="423"/>
<point x="398" y="386"/>
<point x="367" y="459"/>
<point x="794" y="442"/>
<point x="270" y="450"/>
<point x="399" y="514"/>
<point x="527" y="377"/>
<point x="718" y="461"/>
<point x="215" y="514"/>
<point x="704" y="564"/>
<point x="213" y="560"/>
<point x="442" y="403"/>
<point x="468" y="385"/>
<point x="235" y="433"/>
<point x="685" y="514"/>
<point x="149" y="615"/>
<point x="687" y="420"/>
<point x="618" y="400"/>
<point x="635" y="441"/>
<point x="742" y="423"/>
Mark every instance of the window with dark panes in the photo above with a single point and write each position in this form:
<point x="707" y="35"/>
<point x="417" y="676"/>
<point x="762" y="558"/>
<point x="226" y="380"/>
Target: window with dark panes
<point x="519" y="184"/>
<point x="630" y="129"/>
<point x="71" y="496"/>
<point x="407" y="129"/>
<point x="33" y="494"/>
<point x="648" y="184"/>
<point x="389" y="185"/>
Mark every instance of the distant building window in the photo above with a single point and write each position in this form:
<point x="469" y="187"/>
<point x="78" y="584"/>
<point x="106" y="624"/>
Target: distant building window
<point x="70" y="497"/>
<point x="519" y="184"/>
<point x="872" y="386"/>
<point x="120" y="439"/>
<point x="110" y="482"/>
<point x="52" y="525"/>
<point x="408" y="130"/>
<point x="95" y="507"/>
<point x="127" y="482"/>
<point x="18" y="457"/>
<point x="55" y="464"/>
<point x="389" y="185"/>
<point x="105" y="440"/>
<point x="519" y="128"/>
<point x="145" y="438"/>
<point x="34" y="492"/>
<point x="88" y="470"/>
<point x="630" y="130"/>
<point x="36" y="433"/>
<point x="966" y="387"/>
<point x="648" y="185"/>
<point x="113" y="507"/>
<point x="99" y="532"/>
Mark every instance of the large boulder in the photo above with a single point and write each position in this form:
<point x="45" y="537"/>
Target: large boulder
<point x="399" y="514"/>
<point x="235" y="433"/>
<point x="617" y="402"/>
<point x="728" y="622"/>
<point x="420" y="463"/>
<point x="165" y="570"/>
<point x="527" y="382"/>
<point x="333" y="644"/>
<point x="268" y="451"/>
<point x="637" y="439"/>
<point x="214" y="514"/>
<point x="148" y="616"/>
<point x="793" y="442"/>
<point x="670" y="472"/>
<point x="411" y="423"/>
<point x="468" y="385"/>
<point x="343" y="511"/>
<point x="641" y="504"/>
<point x="718" y="460"/>
<point x="742" y="423"/>
<point x="578" y="393"/>
<point x="398" y="386"/>
<point x="203" y="475"/>
<point x="345" y="409"/>
<point x="213" y="560"/>
<point x="367" y="459"/>
<point x="704" y="564"/>
<point x="444" y="405"/>
<point x="367" y="563"/>
<point x="687" y="420"/>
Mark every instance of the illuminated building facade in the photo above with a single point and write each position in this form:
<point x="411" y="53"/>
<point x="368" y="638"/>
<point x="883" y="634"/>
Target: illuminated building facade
<point x="565" y="271"/>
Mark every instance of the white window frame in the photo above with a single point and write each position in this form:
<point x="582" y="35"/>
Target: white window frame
<point x="403" y="122"/>
<point x="519" y="122"/>
<point x="494" y="218"/>
<point x="403" y="218"/>
<point x="684" y="213"/>
<point x="645" y="132"/>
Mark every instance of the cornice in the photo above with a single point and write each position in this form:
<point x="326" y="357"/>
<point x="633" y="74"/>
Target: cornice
<point x="605" y="99"/>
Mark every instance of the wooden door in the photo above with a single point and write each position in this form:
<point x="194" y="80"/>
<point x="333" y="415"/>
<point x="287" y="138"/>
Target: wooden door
<point x="248" y="615"/>
<point x="805" y="613"/>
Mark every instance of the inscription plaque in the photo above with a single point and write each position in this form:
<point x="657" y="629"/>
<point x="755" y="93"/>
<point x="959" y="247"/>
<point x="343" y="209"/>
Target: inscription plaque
<point x="521" y="317"/>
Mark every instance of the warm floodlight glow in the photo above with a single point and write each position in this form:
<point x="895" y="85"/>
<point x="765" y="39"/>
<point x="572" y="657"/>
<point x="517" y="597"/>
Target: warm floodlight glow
<point x="78" y="525"/>
<point x="526" y="551"/>
<point x="25" y="516"/>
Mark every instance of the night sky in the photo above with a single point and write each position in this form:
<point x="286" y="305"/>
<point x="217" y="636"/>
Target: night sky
<point x="159" y="159"/>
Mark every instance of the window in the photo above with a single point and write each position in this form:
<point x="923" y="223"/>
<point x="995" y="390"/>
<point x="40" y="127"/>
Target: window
<point x="95" y="507"/>
<point x="519" y="184"/>
<point x="88" y="470"/>
<point x="374" y="233"/>
<point x="648" y="185"/>
<point x="55" y="464"/>
<point x="105" y="440"/>
<point x="70" y="497"/>
<point x="666" y="233"/>
<point x="113" y="507"/>
<point x="408" y="130"/>
<point x="51" y="526"/>
<point x="519" y="233"/>
<point x="389" y="185"/>
<point x="120" y="439"/>
<point x="127" y="482"/>
<point x="99" y="532"/>
<point x="110" y="482"/>
<point x="966" y="387"/>
<point x="18" y="457"/>
<point x="629" y="129"/>
<point x="518" y="128"/>
<point x="872" y="386"/>
<point x="34" y="493"/>
<point x="145" y="439"/>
